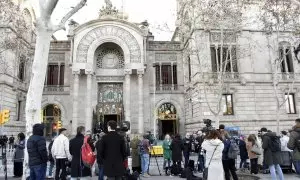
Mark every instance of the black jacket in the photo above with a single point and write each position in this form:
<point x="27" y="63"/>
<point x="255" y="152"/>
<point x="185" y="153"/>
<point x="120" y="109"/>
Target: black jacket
<point x="269" y="156"/>
<point x="187" y="142"/>
<point x="112" y="151"/>
<point x="177" y="148"/>
<point x="243" y="150"/>
<point x="77" y="167"/>
<point x="36" y="147"/>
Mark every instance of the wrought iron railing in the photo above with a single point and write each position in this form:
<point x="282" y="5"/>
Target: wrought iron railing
<point x="56" y="89"/>
<point x="167" y="87"/>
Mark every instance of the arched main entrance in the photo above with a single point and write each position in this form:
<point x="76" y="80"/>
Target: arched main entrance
<point x="51" y="115"/>
<point x="167" y="120"/>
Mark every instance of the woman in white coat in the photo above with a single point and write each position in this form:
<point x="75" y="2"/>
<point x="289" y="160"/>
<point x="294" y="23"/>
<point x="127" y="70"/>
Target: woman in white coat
<point x="214" y="148"/>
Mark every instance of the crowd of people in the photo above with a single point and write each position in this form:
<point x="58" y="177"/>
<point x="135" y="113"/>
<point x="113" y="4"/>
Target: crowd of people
<point x="216" y="149"/>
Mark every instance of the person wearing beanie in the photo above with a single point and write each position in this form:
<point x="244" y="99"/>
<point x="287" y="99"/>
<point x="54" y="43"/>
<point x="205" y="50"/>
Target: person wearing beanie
<point x="61" y="153"/>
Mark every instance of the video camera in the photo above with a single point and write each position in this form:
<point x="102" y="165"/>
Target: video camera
<point x="123" y="126"/>
<point x="3" y="140"/>
<point x="208" y="127"/>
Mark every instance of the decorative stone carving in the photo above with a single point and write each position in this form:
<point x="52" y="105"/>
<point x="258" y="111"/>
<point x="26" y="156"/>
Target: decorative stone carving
<point x="56" y="57"/>
<point x="165" y="57"/>
<point x="100" y="32"/>
<point x="127" y="71"/>
<point x="163" y="46"/>
<point x="110" y="59"/>
<point x="110" y="78"/>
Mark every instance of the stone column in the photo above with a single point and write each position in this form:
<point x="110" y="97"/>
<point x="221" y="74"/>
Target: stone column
<point x="172" y="64"/>
<point x="58" y="81"/>
<point x="75" y="101"/>
<point x="127" y="73"/>
<point x="89" y="109"/>
<point x="160" y="78"/>
<point x="141" y="100"/>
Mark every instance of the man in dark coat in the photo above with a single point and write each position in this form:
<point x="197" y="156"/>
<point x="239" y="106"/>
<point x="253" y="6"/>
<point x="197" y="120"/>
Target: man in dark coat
<point x="187" y="147"/>
<point x="37" y="152"/>
<point x="112" y="150"/>
<point x="271" y="159"/>
<point x="78" y="169"/>
<point x="177" y="149"/>
<point x="293" y="144"/>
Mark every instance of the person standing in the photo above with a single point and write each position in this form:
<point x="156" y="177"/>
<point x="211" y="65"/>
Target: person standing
<point x="167" y="153"/>
<point x="51" y="159"/>
<point x="200" y="151"/>
<point x="284" y="141"/>
<point x="61" y="153"/>
<point x="177" y="150"/>
<point x="144" y="149"/>
<point x="135" y="155"/>
<point x="11" y="142"/>
<point x="187" y="143"/>
<point x="99" y="158"/>
<point x="243" y="152"/>
<point x="228" y="162"/>
<point x="112" y="150"/>
<point x="252" y="142"/>
<point x="294" y="144"/>
<point x="78" y="169"/>
<point x="272" y="157"/>
<point x="214" y="148"/>
<point x="37" y="153"/>
<point x="19" y="156"/>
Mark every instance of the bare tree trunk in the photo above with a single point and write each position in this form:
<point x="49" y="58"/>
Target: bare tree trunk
<point x="217" y="119"/>
<point x="277" y="120"/>
<point x="35" y="91"/>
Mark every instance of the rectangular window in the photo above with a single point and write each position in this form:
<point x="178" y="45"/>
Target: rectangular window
<point x="190" y="69"/>
<point x="19" y="110"/>
<point x="21" y="74"/>
<point x="290" y="104"/>
<point x="228" y="59"/>
<point x="52" y="75"/>
<point x="228" y="104"/>
<point x="286" y="60"/>
<point x="62" y="74"/>
<point x="164" y="76"/>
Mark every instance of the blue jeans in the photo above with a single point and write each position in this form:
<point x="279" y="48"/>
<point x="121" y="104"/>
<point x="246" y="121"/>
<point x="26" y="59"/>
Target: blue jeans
<point x="145" y="163"/>
<point x="297" y="166"/>
<point x="273" y="172"/>
<point x="38" y="172"/>
<point x="201" y="162"/>
<point x="51" y="168"/>
<point x="101" y="173"/>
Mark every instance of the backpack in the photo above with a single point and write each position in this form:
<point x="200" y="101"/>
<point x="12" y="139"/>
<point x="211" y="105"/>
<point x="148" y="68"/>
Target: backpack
<point x="87" y="155"/>
<point x="275" y="144"/>
<point x="233" y="150"/>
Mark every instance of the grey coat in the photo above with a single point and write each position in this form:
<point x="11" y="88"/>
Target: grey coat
<point x="135" y="155"/>
<point x="19" y="152"/>
<point x="269" y="156"/>
<point x="295" y="135"/>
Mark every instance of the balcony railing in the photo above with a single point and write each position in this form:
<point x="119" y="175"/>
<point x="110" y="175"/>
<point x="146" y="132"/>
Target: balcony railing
<point x="54" y="89"/>
<point x="166" y="87"/>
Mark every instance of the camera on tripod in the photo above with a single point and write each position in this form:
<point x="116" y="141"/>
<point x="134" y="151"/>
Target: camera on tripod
<point x="208" y="127"/>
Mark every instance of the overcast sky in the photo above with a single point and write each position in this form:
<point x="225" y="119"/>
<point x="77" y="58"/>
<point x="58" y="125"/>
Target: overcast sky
<point x="157" y="12"/>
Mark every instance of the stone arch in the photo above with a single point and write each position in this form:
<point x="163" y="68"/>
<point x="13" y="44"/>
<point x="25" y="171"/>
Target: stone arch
<point x="172" y="101"/>
<point x="62" y="110"/>
<point x="102" y="34"/>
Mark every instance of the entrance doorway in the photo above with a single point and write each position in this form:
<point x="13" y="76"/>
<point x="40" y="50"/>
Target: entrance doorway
<point x="110" y="117"/>
<point x="167" y="127"/>
<point x="167" y="117"/>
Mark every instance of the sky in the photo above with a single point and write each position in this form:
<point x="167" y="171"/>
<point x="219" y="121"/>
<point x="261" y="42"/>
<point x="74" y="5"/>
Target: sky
<point x="161" y="14"/>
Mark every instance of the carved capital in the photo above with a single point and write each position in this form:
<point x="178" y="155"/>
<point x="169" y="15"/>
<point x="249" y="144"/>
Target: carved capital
<point x="76" y="72"/>
<point x="140" y="71"/>
<point x="89" y="72"/>
<point x="127" y="71"/>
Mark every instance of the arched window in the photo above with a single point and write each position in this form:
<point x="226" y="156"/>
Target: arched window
<point x="109" y="56"/>
<point x="167" y="111"/>
<point x="51" y="115"/>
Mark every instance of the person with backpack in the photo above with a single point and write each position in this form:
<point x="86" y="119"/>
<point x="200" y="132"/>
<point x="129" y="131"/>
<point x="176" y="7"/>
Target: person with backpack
<point x="112" y="150"/>
<point x="144" y="149"/>
<point x="78" y="168"/>
<point x="294" y="144"/>
<point x="37" y="153"/>
<point x="230" y="153"/>
<point x="61" y="153"/>
<point x="272" y="147"/>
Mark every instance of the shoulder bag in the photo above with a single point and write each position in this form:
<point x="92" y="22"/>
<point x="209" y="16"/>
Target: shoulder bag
<point x="255" y="149"/>
<point x="205" y="172"/>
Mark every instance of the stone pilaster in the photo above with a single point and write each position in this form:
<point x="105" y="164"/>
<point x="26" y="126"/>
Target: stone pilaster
<point x="75" y="101"/>
<point x="141" y="100"/>
<point x="89" y="104"/>
<point x="127" y="91"/>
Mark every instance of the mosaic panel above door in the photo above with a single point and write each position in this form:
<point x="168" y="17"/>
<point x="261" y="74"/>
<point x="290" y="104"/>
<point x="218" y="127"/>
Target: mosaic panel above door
<point x="110" y="98"/>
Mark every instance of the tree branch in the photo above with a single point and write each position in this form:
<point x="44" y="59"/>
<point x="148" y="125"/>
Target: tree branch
<point x="63" y="21"/>
<point x="296" y="2"/>
<point x="48" y="9"/>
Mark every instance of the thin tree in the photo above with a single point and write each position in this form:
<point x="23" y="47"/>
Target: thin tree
<point x="281" y="18"/>
<point x="44" y="31"/>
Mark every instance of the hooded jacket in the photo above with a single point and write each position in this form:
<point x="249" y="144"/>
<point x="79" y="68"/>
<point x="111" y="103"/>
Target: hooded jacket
<point x="295" y="134"/>
<point x="36" y="147"/>
<point x="270" y="158"/>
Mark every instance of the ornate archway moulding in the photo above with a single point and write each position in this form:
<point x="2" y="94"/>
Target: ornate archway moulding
<point x="62" y="108"/>
<point x="101" y="33"/>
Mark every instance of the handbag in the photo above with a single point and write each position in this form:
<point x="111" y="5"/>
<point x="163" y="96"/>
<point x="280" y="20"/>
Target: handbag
<point x="255" y="149"/>
<point x="205" y="172"/>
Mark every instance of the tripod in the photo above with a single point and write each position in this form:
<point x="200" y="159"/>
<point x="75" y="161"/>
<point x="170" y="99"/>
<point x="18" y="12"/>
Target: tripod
<point x="151" y="149"/>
